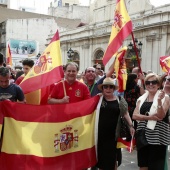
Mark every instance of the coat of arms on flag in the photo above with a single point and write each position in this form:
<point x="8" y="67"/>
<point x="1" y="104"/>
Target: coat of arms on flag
<point x="68" y="139"/>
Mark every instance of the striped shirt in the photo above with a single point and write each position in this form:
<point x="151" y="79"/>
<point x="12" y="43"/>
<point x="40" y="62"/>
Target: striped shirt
<point x="161" y="134"/>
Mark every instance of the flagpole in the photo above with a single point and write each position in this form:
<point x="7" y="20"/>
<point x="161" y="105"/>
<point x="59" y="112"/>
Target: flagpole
<point x="64" y="88"/>
<point x="131" y="145"/>
<point x="136" y="53"/>
<point x="166" y="80"/>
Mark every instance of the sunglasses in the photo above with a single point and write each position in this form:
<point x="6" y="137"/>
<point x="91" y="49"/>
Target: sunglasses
<point x="98" y="68"/>
<point x="167" y="79"/>
<point x="151" y="82"/>
<point x="106" y="86"/>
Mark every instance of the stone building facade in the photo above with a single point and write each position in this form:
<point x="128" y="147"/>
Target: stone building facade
<point x="151" y="26"/>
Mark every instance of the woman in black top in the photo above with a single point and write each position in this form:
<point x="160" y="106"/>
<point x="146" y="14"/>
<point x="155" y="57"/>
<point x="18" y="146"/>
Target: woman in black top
<point x="108" y="118"/>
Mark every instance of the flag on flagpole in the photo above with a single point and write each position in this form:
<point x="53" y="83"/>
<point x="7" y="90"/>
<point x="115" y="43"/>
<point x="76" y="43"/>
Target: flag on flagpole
<point x="49" y="136"/>
<point x="121" y="28"/>
<point x="120" y="69"/>
<point x="47" y="70"/>
<point x="9" y="56"/>
<point x="165" y="63"/>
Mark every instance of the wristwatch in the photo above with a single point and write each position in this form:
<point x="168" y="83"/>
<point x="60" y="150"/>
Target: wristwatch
<point x="159" y="106"/>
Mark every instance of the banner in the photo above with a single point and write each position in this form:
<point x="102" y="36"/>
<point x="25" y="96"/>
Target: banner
<point x="121" y="28"/>
<point x="48" y="137"/>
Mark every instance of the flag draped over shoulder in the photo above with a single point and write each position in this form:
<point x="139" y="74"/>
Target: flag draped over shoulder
<point x="165" y="63"/>
<point x="49" y="137"/>
<point x="120" y="69"/>
<point x="47" y="70"/>
<point x="121" y="28"/>
<point x="9" y="56"/>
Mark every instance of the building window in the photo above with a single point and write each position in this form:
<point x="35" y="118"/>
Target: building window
<point x="66" y="4"/>
<point x="98" y="56"/>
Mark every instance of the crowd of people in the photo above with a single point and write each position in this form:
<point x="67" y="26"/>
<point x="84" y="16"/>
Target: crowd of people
<point x="146" y="97"/>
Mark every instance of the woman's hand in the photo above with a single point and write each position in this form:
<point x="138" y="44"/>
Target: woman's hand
<point x="132" y="130"/>
<point x="154" y="117"/>
<point x="161" y="96"/>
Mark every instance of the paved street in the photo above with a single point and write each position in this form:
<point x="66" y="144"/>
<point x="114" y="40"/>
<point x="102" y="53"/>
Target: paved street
<point x="129" y="161"/>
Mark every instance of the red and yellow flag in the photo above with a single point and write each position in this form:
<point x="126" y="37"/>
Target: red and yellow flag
<point x="47" y="70"/>
<point x="9" y="56"/>
<point x="165" y="63"/>
<point x="49" y="137"/>
<point x="121" y="28"/>
<point x="129" y="145"/>
<point x="120" y="69"/>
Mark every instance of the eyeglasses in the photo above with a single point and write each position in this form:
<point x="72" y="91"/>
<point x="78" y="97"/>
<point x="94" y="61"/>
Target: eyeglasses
<point x="106" y="86"/>
<point x="88" y="71"/>
<point x="98" y="68"/>
<point x="151" y="82"/>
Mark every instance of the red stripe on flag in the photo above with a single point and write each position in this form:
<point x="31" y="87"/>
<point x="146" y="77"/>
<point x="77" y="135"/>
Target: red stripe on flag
<point x="55" y="38"/>
<point x="72" y="161"/>
<point x="51" y="113"/>
<point x="117" y="42"/>
<point x="43" y="80"/>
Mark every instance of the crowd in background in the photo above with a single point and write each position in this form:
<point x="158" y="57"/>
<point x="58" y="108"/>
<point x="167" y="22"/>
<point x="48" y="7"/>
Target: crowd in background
<point x="147" y="107"/>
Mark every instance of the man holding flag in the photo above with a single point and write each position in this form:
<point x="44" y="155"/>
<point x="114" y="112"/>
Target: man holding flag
<point x="70" y="90"/>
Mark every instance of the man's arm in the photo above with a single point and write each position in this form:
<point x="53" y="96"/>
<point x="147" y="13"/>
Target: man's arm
<point x="58" y="101"/>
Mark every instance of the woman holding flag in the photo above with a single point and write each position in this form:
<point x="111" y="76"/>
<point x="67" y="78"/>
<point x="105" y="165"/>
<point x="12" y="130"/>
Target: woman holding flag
<point x="107" y="116"/>
<point x="151" y="112"/>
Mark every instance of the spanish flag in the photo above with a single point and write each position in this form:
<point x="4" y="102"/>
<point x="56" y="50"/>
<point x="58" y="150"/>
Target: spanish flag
<point x="120" y="69"/>
<point x="121" y="28"/>
<point x="47" y="70"/>
<point x="9" y="56"/>
<point x="165" y="63"/>
<point x="129" y="145"/>
<point x="48" y="137"/>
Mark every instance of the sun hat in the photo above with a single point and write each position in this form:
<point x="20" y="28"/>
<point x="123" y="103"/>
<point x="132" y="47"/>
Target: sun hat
<point x="108" y="81"/>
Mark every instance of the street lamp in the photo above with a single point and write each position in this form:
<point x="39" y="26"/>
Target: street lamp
<point x="131" y="58"/>
<point x="131" y="48"/>
<point x="70" y="54"/>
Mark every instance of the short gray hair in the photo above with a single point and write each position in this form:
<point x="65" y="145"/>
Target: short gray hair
<point x="4" y="71"/>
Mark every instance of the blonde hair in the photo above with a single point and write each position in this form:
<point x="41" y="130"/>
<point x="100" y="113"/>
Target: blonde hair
<point x="148" y="76"/>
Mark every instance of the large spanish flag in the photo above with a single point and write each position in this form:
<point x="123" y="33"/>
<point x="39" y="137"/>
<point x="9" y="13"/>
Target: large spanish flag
<point x="165" y="63"/>
<point x="121" y="28"/>
<point x="9" y="56"/>
<point x="48" y="137"/>
<point x="47" y="70"/>
<point x="120" y="69"/>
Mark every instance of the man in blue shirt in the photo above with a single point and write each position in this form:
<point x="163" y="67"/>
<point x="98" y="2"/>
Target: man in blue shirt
<point x="9" y="91"/>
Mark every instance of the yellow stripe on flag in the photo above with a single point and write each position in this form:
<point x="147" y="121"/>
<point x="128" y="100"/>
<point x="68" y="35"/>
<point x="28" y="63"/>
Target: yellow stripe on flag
<point x="33" y="97"/>
<point x="124" y="17"/>
<point x="32" y="138"/>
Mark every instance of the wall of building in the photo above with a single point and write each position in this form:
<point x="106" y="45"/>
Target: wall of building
<point x="71" y="12"/>
<point x="151" y="27"/>
<point x="31" y="29"/>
